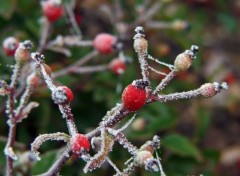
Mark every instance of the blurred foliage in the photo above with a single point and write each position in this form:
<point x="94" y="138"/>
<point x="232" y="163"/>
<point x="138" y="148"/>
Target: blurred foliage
<point x="193" y="132"/>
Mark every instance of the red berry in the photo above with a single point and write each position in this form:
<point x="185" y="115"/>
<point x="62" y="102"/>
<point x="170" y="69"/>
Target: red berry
<point x="133" y="97"/>
<point x="79" y="143"/>
<point x="52" y="9"/>
<point x="103" y="43"/>
<point x="68" y="93"/>
<point x="10" y="45"/>
<point x="117" y="66"/>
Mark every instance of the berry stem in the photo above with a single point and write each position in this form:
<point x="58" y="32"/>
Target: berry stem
<point x="89" y="69"/>
<point x="56" y="167"/>
<point x="23" y="101"/>
<point x="44" y="35"/>
<point x="165" y="82"/>
<point x="69" y="10"/>
<point x="80" y="62"/>
<point x="180" y="95"/>
<point x="66" y="113"/>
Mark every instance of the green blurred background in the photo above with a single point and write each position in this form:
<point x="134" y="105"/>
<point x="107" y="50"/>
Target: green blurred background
<point x="199" y="136"/>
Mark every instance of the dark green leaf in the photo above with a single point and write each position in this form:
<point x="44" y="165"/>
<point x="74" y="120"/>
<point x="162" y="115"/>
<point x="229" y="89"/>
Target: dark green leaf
<point x="180" y="145"/>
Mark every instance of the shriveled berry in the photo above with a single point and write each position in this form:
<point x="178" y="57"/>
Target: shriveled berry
<point x="79" y="143"/>
<point x="52" y="9"/>
<point x="103" y="43"/>
<point x="62" y="94"/>
<point x="10" y="45"/>
<point x="117" y="66"/>
<point x="133" y="97"/>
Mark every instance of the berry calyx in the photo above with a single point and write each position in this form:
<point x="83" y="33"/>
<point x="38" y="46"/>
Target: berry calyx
<point x="117" y="66"/>
<point x="62" y="94"/>
<point x="184" y="60"/>
<point x="10" y="44"/>
<point x="103" y="43"/>
<point x="52" y="9"/>
<point x="79" y="143"/>
<point x="134" y="96"/>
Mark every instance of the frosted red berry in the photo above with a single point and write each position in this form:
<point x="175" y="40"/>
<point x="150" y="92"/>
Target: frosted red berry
<point x="68" y="93"/>
<point x="117" y="66"/>
<point x="133" y="97"/>
<point x="103" y="43"/>
<point x="79" y="143"/>
<point x="10" y="45"/>
<point x="52" y="9"/>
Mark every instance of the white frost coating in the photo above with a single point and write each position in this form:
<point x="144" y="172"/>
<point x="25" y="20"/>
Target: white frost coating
<point x="160" y="165"/>
<point x="45" y="137"/>
<point x="10" y="43"/>
<point x="9" y="152"/>
<point x="224" y="85"/>
<point x="38" y="58"/>
<point x="217" y="86"/>
<point x="113" y="165"/>
<point x="115" y="132"/>
<point x="171" y="67"/>
<point x="158" y="72"/>
<point x="112" y="113"/>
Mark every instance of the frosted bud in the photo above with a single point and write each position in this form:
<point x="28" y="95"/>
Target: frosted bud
<point x="22" y="53"/>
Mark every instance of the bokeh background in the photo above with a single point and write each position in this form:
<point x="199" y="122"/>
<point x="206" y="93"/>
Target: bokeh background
<point x="198" y="136"/>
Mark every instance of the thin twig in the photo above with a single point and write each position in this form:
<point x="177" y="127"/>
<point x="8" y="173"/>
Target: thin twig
<point x="80" y="62"/>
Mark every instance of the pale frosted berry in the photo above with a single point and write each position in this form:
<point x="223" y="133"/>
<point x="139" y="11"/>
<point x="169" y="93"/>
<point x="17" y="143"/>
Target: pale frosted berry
<point x="52" y="9"/>
<point x="103" y="43"/>
<point x="62" y="94"/>
<point x="140" y="43"/>
<point x="79" y="143"/>
<point x="134" y="96"/>
<point x="32" y="80"/>
<point x="142" y="157"/>
<point x="208" y="90"/>
<point x="22" y="53"/>
<point x="182" y="62"/>
<point x="211" y="89"/>
<point x="10" y="45"/>
<point x="117" y="66"/>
